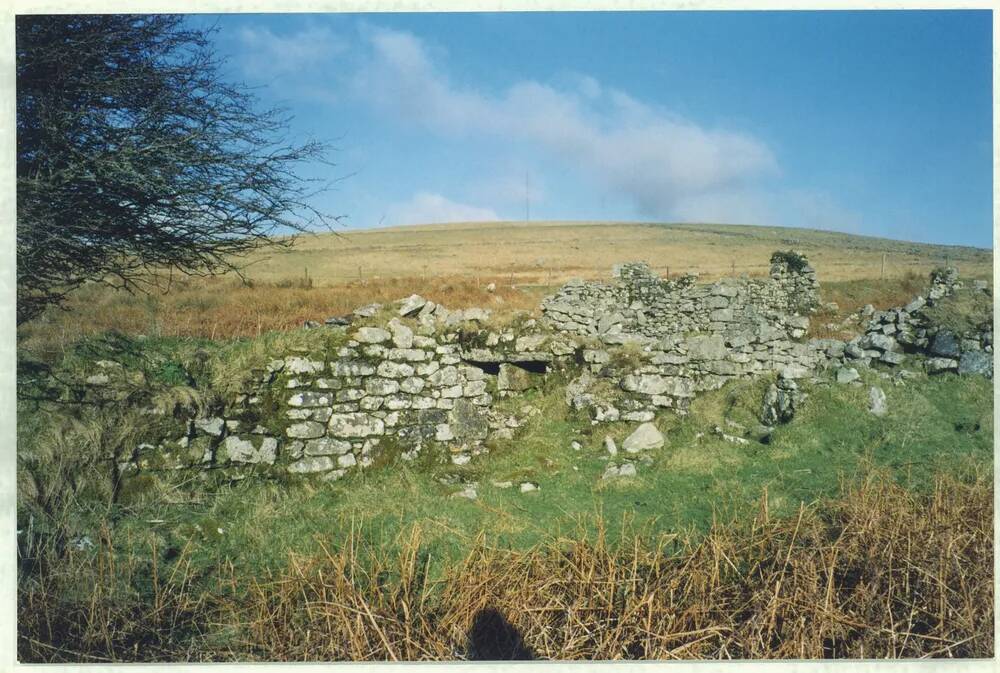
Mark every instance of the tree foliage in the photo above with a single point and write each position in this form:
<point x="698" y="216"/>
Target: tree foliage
<point x="136" y="160"/>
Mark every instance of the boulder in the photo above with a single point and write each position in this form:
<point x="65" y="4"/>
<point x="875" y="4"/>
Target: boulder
<point x="530" y="342"/>
<point x="876" y="401"/>
<point x="514" y="378"/>
<point x="310" y="399"/>
<point x="847" y="374"/>
<point x="945" y="345"/>
<point x="326" y="446"/>
<point x="239" y="450"/>
<point x="367" y="311"/>
<point x="351" y="368"/>
<point x="976" y="362"/>
<point x="723" y="289"/>
<point x="780" y="402"/>
<point x="710" y="347"/>
<point x="210" y="426"/>
<point x="915" y="305"/>
<point x="371" y="335"/>
<point x="381" y="387"/>
<point x="938" y="365"/>
<point x="467" y="421"/>
<point x="402" y="336"/>
<point x="645" y="437"/>
<point x="647" y="384"/>
<point x="355" y="425"/>
<point x="298" y="365"/>
<point x="882" y="342"/>
<point x="306" y="430"/>
<point x="623" y="470"/>
<point x="311" y="465"/>
<point x="411" y="305"/>
<point x="794" y="371"/>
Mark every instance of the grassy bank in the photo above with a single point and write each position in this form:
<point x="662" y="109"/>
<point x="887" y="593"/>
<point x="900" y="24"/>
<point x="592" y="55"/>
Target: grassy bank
<point x="877" y="572"/>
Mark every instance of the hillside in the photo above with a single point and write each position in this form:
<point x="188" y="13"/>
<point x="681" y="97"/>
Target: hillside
<point x="332" y="274"/>
<point x="557" y="251"/>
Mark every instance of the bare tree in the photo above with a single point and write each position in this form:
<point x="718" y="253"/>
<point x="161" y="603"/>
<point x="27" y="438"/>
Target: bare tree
<point x="135" y="160"/>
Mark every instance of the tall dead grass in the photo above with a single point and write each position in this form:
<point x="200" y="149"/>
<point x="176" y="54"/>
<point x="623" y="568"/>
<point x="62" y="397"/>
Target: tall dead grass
<point x="223" y="308"/>
<point x="879" y="572"/>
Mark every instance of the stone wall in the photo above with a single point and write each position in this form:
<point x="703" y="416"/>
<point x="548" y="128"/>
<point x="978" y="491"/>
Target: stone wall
<point x="415" y="379"/>
<point x="641" y="303"/>
<point x="910" y="333"/>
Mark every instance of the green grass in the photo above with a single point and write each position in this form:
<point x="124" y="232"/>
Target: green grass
<point x="223" y="366"/>
<point x="965" y="311"/>
<point x="941" y="424"/>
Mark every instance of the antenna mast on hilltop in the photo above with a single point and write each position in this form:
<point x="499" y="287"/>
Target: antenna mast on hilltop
<point x="527" y="198"/>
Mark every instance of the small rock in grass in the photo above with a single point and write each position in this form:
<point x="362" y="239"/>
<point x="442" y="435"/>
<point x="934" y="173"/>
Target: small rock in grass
<point x="847" y="374"/>
<point x="645" y="437"/>
<point x="876" y="401"/>
<point x="623" y="470"/>
<point x="528" y="487"/>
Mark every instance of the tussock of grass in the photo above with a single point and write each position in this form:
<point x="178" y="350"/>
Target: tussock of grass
<point x="233" y="362"/>
<point x="963" y="312"/>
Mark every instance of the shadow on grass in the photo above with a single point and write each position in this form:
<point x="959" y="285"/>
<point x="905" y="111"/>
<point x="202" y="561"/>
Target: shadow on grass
<point x="493" y="638"/>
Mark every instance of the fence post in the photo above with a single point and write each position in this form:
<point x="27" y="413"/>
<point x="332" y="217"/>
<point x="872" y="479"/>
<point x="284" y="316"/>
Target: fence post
<point x="881" y="274"/>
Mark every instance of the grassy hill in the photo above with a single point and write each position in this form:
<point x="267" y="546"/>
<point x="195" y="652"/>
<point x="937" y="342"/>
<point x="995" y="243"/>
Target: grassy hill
<point x="331" y="274"/>
<point x="557" y="251"/>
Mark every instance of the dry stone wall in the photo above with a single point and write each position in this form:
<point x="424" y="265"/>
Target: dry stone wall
<point x="910" y="335"/>
<point x="416" y="379"/>
<point x="641" y="303"/>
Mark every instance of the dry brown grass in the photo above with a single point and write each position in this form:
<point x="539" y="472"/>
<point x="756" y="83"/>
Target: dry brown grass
<point x="878" y="573"/>
<point x="322" y="276"/>
<point x="852" y="295"/>
<point x="557" y="251"/>
<point x="224" y="308"/>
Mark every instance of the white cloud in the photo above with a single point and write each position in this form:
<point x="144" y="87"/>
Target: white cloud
<point x="770" y="207"/>
<point x="656" y="159"/>
<point x="428" y="207"/>
<point x="267" y="53"/>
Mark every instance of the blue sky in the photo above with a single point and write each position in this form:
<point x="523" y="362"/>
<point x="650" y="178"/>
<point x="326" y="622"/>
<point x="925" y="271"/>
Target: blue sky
<point x="877" y="123"/>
